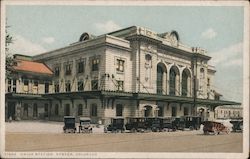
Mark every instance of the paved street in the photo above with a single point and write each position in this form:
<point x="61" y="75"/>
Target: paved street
<point x="21" y="139"/>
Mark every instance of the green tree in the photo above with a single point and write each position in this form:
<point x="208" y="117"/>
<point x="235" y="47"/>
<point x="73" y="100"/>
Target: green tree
<point x="9" y="61"/>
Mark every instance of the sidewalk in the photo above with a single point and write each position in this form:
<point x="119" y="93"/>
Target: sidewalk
<point x="42" y="127"/>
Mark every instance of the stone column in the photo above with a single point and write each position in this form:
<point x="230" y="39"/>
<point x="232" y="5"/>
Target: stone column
<point x="164" y="84"/>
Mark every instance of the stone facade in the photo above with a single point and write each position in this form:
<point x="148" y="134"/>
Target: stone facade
<point x="129" y="61"/>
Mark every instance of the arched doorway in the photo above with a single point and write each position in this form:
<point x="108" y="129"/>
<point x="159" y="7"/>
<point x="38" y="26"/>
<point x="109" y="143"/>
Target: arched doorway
<point x="185" y="83"/>
<point x="160" y="78"/>
<point x="173" y="81"/>
<point x="148" y="112"/>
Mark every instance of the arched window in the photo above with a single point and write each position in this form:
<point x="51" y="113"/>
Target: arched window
<point x="184" y="83"/>
<point x="35" y="110"/>
<point x="159" y="79"/>
<point x="93" y="111"/>
<point x="80" y="109"/>
<point x="172" y="83"/>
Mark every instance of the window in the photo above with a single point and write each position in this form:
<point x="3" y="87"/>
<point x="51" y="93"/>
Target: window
<point x="202" y="73"/>
<point x="57" y="88"/>
<point x="25" y="110"/>
<point x="9" y="85"/>
<point x="95" y="64"/>
<point x="57" y="71"/>
<point x="120" y="65"/>
<point x="67" y="86"/>
<point x="80" y="109"/>
<point x="80" y="67"/>
<point x="35" y="110"/>
<point x="172" y="82"/>
<point x="186" y="111"/>
<point x="35" y="87"/>
<point x="173" y="111"/>
<point x="160" y="111"/>
<point x="68" y="69"/>
<point x="46" y="87"/>
<point x="67" y="110"/>
<point x="119" y="110"/>
<point x="93" y="110"/>
<point x="94" y="84"/>
<point x="14" y="85"/>
<point x="184" y="85"/>
<point x="80" y="86"/>
<point x="120" y="85"/>
<point x="26" y="86"/>
<point x="56" y="109"/>
<point x="208" y="82"/>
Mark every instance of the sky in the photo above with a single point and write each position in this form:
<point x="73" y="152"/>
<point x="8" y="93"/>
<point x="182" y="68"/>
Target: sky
<point x="218" y="29"/>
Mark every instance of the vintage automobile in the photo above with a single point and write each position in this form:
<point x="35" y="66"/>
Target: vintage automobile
<point x="136" y="124"/>
<point x="192" y="122"/>
<point x="117" y="124"/>
<point x="153" y="124"/>
<point x="69" y="124"/>
<point x="237" y="125"/>
<point x="179" y="123"/>
<point x="214" y="127"/>
<point x="84" y="125"/>
<point x="167" y="124"/>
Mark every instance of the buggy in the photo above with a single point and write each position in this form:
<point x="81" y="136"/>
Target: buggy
<point x="214" y="127"/>
<point x="84" y="125"/>
<point x="117" y="124"/>
<point x="137" y="124"/>
<point x="69" y="124"/>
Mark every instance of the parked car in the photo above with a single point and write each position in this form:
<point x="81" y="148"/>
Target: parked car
<point x="237" y="125"/>
<point x="214" y="127"/>
<point x="192" y="122"/>
<point x="179" y="123"/>
<point x="69" y="124"/>
<point x="117" y="124"/>
<point x="167" y="123"/>
<point x="137" y="124"/>
<point x="84" y="125"/>
<point x="153" y="124"/>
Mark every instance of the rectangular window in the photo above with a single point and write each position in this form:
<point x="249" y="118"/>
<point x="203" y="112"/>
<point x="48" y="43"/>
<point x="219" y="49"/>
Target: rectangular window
<point x="80" y="86"/>
<point x="57" y="71"/>
<point x="67" y="87"/>
<point x="35" y="87"/>
<point x="56" y="87"/>
<point x="68" y="69"/>
<point x="185" y="111"/>
<point x="25" y="85"/>
<point x="120" y="85"/>
<point x="46" y="87"/>
<point x="46" y="110"/>
<point x="120" y="65"/>
<point x="94" y="84"/>
<point x="95" y="64"/>
<point x="9" y="85"/>
<point x="80" y="67"/>
<point x="119" y="109"/>
<point x="14" y="85"/>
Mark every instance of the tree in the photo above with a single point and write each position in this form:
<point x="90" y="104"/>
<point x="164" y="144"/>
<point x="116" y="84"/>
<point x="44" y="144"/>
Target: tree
<point x="9" y="61"/>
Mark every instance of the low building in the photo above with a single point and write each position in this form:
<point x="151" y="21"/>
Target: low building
<point x="133" y="72"/>
<point x="229" y="112"/>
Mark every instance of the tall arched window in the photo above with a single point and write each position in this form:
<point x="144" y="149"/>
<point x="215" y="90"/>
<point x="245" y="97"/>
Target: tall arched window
<point x="159" y="79"/>
<point x="172" y="83"/>
<point x="184" y="82"/>
<point x="80" y="109"/>
<point x="93" y="111"/>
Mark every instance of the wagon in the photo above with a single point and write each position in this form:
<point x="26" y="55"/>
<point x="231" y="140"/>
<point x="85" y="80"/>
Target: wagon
<point x="214" y="127"/>
<point x="117" y="124"/>
<point x="84" y="125"/>
<point x="69" y="124"/>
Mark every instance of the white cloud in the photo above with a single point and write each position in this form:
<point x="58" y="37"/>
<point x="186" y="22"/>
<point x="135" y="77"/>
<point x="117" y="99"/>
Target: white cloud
<point x="24" y="46"/>
<point x="48" y="40"/>
<point x="229" y="56"/>
<point x="107" y="26"/>
<point x="209" y="34"/>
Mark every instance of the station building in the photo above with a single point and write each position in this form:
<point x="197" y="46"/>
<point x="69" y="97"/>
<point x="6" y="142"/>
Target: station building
<point x="133" y="72"/>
